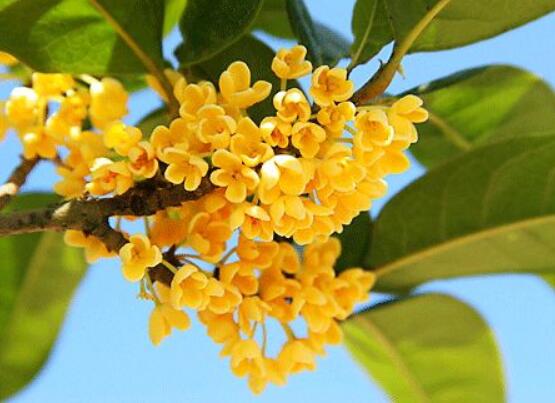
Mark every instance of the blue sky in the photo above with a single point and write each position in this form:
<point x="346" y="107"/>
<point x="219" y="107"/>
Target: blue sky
<point x="103" y="353"/>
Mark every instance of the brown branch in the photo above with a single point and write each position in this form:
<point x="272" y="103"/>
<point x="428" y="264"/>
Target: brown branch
<point x="16" y="180"/>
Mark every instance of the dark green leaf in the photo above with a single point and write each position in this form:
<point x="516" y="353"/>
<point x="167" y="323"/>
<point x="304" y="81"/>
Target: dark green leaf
<point x="428" y="348"/>
<point x="39" y="274"/>
<point x="489" y="211"/>
<point x="273" y="19"/>
<point x="479" y="106"/>
<point x="355" y="242"/>
<point x="304" y="29"/>
<point x="460" y="23"/>
<point x="334" y="46"/>
<point x="80" y="36"/>
<point x="210" y="26"/>
<point x="259" y="58"/>
<point x="370" y="30"/>
<point x="172" y="13"/>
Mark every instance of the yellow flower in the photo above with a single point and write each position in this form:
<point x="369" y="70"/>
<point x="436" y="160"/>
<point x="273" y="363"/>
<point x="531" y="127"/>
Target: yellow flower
<point x="168" y="229"/>
<point x="274" y="374"/>
<point x="7" y="59"/>
<point x="162" y="319"/>
<point x="295" y="356"/>
<point x="192" y="97"/>
<point x="246" y="358"/>
<point x="275" y="131"/>
<point x="36" y="142"/>
<point x="94" y="247"/>
<point x="289" y="215"/>
<point x="235" y="86"/>
<point x="248" y="145"/>
<point x="177" y="134"/>
<point x="317" y="341"/>
<point x="85" y="147"/>
<point x="22" y="108"/>
<point x="306" y="137"/>
<point x="191" y="288"/>
<point x="52" y="85"/>
<point x="339" y="170"/>
<point x="402" y="116"/>
<point x="4" y="124"/>
<point x="240" y="276"/>
<point x="72" y="184"/>
<point x="252" y="309"/>
<point x="238" y="179"/>
<point x="137" y="255"/>
<point x="353" y="287"/>
<point x="374" y="129"/>
<point x="253" y="220"/>
<point x="334" y="117"/>
<point x="322" y="254"/>
<point x="122" y="138"/>
<point x="221" y="328"/>
<point x="215" y="127"/>
<point x="109" y="176"/>
<point x="330" y="85"/>
<point x="227" y="302"/>
<point x="184" y="167"/>
<point x="73" y="108"/>
<point x="108" y="102"/>
<point x="142" y="160"/>
<point x="256" y="254"/>
<point x="292" y="105"/>
<point x="207" y="236"/>
<point x="291" y="63"/>
<point x="281" y="174"/>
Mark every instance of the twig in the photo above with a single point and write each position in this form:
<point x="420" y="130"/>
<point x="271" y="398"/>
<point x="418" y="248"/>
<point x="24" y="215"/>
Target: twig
<point x="16" y="180"/>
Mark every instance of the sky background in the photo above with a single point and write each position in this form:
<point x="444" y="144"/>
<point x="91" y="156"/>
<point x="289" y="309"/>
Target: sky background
<point x="103" y="353"/>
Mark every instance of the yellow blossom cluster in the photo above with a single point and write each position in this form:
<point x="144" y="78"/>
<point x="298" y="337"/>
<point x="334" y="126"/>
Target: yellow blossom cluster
<point x="288" y="181"/>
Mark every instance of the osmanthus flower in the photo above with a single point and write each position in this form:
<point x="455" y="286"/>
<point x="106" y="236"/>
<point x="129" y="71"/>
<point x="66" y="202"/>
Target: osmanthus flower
<point x="338" y="171"/>
<point x="334" y="117"/>
<point x="402" y="116"/>
<point x="291" y="63"/>
<point x="275" y="131"/>
<point x="37" y="143"/>
<point x="207" y="236"/>
<point x="168" y="228"/>
<point x="253" y="220"/>
<point x="22" y="108"/>
<point x="191" y="288"/>
<point x="184" y="167"/>
<point x="163" y="319"/>
<point x="177" y="134"/>
<point x="109" y="176"/>
<point x="122" y="138"/>
<point x="330" y="85"/>
<point x="214" y="126"/>
<point x="296" y="356"/>
<point x="307" y="137"/>
<point x="235" y="86"/>
<point x="282" y="174"/>
<point x="246" y="358"/>
<point x="142" y="160"/>
<point x="94" y="247"/>
<point x="252" y="310"/>
<point x="238" y="179"/>
<point x="192" y="97"/>
<point x="289" y="215"/>
<point x="4" y="124"/>
<point x="108" y="102"/>
<point x="72" y="183"/>
<point x="248" y="145"/>
<point x="374" y="129"/>
<point x="227" y="302"/>
<point x="292" y="105"/>
<point x="137" y="255"/>
<point x="51" y="85"/>
<point x="256" y="254"/>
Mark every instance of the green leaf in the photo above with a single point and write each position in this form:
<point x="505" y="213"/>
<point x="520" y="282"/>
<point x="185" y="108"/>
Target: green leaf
<point x="428" y="348"/>
<point x="550" y="279"/>
<point x="155" y="118"/>
<point x="39" y="274"/>
<point x="355" y="242"/>
<point x="83" y="36"/>
<point x="304" y="29"/>
<point x="479" y="106"/>
<point x="259" y="58"/>
<point x="273" y="19"/>
<point x="334" y="46"/>
<point x="211" y="26"/>
<point x="370" y="31"/>
<point x="489" y="211"/>
<point x="172" y="14"/>
<point x="460" y="23"/>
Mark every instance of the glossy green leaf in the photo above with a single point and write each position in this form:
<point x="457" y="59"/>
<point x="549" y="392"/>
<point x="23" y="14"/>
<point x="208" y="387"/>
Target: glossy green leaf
<point x="172" y="13"/>
<point x="211" y="26"/>
<point x="428" y="348"/>
<point x="155" y="118"/>
<point x="303" y="26"/>
<point x="259" y="58"/>
<point x="39" y="275"/>
<point x="273" y="19"/>
<point x="80" y="36"/>
<point x="482" y="105"/>
<point x="370" y="30"/>
<point x="334" y="45"/>
<point x="489" y="211"/>
<point x="460" y="23"/>
<point x="355" y="242"/>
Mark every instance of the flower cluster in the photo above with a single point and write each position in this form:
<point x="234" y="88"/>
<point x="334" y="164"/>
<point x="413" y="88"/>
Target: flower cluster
<point x="293" y="178"/>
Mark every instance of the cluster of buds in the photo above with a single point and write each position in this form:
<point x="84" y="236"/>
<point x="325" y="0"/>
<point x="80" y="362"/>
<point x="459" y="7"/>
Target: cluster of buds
<point x="294" y="178"/>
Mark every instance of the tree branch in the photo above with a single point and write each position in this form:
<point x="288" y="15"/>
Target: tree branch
<point x="16" y="180"/>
